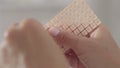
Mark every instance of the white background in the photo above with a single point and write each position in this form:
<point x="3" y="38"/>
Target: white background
<point x="15" y="10"/>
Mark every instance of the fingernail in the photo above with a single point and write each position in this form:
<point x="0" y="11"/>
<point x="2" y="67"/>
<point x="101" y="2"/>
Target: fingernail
<point x="54" y="31"/>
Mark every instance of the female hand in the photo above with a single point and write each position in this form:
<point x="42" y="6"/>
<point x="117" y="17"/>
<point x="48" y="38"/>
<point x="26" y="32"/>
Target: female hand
<point x="28" y="45"/>
<point x="98" y="51"/>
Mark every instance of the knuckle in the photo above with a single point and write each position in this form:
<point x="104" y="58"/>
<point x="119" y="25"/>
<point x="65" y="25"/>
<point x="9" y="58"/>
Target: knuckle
<point x="11" y="33"/>
<point x="28" y="24"/>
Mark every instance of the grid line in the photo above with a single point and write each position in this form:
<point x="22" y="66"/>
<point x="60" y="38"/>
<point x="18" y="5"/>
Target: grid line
<point x="85" y="30"/>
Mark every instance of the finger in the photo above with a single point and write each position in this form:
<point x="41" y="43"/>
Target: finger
<point x="12" y="32"/>
<point x="43" y="44"/>
<point x="35" y="42"/>
<point x="27" y="27"/>
<point x="28" y="30"/>
<point x="78" y="44"/>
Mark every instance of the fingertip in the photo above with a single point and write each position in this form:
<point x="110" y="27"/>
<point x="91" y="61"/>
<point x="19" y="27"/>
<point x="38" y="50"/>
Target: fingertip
<point x="12" y="31"/>
<point x="62" y="37"/>
<point x="54" y="31"/>
<point x="30" y="23"/>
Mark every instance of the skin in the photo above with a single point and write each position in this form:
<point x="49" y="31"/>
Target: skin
<point x="99" y="51"/>
<point x="28" y="45"/>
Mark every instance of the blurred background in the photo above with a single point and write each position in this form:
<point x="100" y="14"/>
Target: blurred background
<point x="12" y="11"/>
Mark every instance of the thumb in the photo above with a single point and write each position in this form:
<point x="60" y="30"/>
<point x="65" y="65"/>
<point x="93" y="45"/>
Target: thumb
<point x="78" y="44"/>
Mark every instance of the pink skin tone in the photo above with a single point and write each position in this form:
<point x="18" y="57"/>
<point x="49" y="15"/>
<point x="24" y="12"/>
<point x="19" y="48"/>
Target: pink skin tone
<point x="29" y="45"/>
<point x="98" y="51"/>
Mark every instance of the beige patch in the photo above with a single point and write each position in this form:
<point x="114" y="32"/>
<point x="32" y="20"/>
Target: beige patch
<point x="77" y="18"/>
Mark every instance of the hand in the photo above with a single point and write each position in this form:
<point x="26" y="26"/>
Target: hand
<point x="98" y="51"/>
<point x="28" y="45"/>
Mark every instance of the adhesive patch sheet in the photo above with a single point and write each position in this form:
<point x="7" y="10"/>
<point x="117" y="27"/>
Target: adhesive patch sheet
<point x="78" y="19"/>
